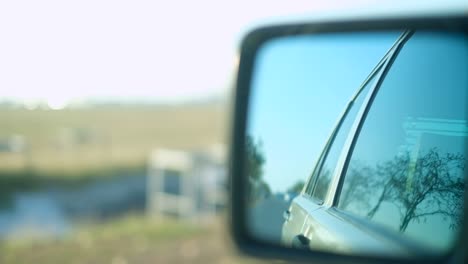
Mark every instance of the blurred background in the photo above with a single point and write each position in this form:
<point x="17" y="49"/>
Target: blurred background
<point x="113" y="126"/>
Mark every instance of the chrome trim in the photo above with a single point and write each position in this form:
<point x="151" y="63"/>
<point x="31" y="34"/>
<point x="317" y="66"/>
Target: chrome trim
<point x="346" y="152"/>
<point x="347" y="145"/>
<point x="319" y="162"/>
<point x="331" y="137"/>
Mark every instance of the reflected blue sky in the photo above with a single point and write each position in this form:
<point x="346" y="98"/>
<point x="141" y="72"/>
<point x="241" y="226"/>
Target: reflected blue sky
<point x="300" y="87"/>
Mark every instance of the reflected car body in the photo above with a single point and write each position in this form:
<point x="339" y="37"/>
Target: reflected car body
<point x="390" y="178"/>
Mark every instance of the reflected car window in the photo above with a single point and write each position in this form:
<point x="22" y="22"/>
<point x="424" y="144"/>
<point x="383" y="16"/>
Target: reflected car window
<point x="406" y="169"/>
<point x="318" y="187"/>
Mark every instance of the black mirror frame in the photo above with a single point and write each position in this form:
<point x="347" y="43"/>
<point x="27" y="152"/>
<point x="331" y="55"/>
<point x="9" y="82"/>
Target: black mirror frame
<point x="238" y="193"/>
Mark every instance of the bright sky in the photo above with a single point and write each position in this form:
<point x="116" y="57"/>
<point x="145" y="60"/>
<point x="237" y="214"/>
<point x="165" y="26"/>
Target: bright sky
<point x="162" y="50"/>
<point x="58" y="51"/>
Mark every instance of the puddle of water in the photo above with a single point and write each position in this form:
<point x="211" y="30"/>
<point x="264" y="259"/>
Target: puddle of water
<point x="35" y="216"/>
<point x="51" y="213"/>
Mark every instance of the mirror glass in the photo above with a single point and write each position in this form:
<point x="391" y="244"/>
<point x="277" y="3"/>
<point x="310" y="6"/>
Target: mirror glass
<point x="355" y="142"/>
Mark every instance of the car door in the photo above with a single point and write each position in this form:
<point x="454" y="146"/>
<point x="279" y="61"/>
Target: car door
<point x="399" y="185"/>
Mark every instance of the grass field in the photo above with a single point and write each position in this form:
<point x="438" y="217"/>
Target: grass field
<point x="133" y="239"/>
<point x="77" y="140"/>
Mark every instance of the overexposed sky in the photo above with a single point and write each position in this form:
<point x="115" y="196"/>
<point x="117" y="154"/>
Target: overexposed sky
<point x="58" y="51"/>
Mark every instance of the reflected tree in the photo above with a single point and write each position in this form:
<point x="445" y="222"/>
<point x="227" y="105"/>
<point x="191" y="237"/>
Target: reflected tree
<point x="297" y="187"/>
<point x="254" y="164"/>
<point x="434" y="185"/>
<point x="323" y="181"/>
<point x="431" y="184"/>
<point x="359" y="183"/>
<point x="255" y="158"/>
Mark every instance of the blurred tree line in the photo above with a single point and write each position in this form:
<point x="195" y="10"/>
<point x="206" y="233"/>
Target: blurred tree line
<point x="255" y="159"/>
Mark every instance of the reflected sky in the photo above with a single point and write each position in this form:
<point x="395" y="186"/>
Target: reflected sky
<point x="301" y="86"/>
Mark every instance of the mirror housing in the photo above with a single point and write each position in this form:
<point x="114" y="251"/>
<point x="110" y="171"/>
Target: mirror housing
<point x="250" y="47"/>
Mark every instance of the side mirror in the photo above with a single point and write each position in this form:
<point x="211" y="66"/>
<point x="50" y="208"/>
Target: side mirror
<point x="349" y="142"/>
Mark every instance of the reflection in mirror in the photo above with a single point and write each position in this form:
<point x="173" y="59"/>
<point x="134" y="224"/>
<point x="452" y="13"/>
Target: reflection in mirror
<point x="356" y="142"/>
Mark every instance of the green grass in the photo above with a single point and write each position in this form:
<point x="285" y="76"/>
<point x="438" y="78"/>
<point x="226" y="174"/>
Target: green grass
<point x="100" y="241"/>
<point x="132" y="239"/>
<point x="152" y="230"/>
